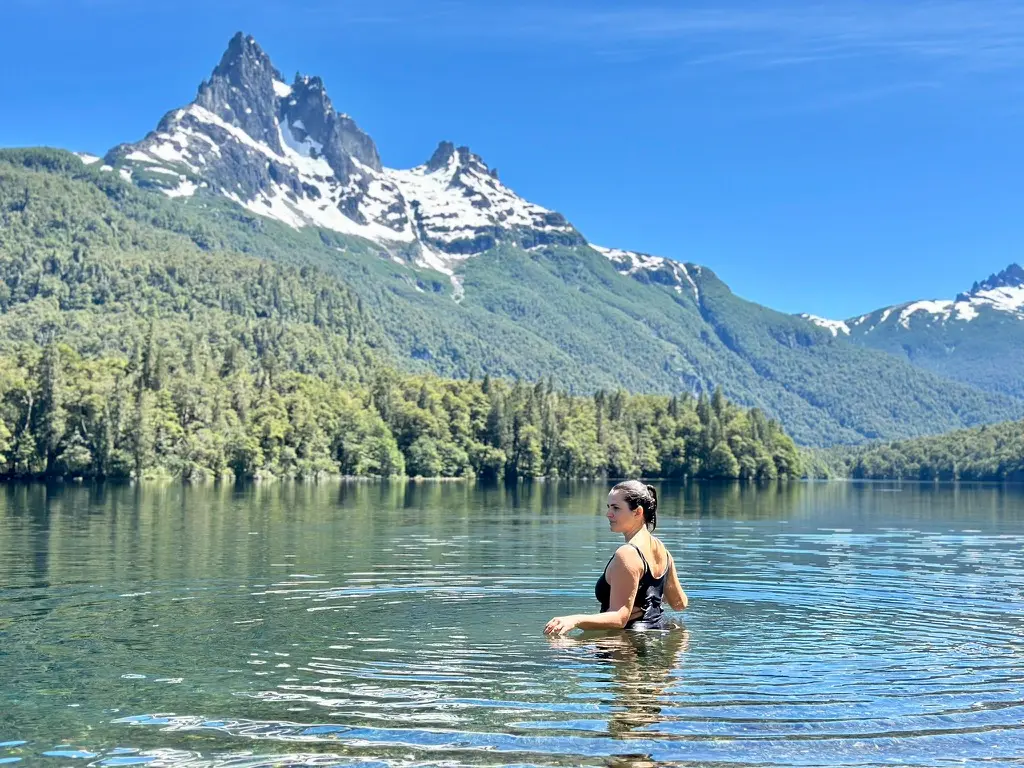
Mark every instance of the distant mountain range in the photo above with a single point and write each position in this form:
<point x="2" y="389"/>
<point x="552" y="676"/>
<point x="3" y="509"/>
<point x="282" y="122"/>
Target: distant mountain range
<point x="463" y="277"/>
<point x="977" y="337"/>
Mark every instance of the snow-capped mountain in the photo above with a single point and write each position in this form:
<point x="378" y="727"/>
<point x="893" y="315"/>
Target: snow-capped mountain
<point x="976" y="337"/>
<point x="834" y="326"/>
<point x="284" y="152"/>
<point x="1002" y="292"/>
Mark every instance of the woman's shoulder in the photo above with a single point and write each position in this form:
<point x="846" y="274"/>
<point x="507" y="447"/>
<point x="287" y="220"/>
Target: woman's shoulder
<point x="628" y="555"/>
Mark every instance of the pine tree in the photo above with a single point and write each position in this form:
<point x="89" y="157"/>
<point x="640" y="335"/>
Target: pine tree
<point x="52" y="413"/>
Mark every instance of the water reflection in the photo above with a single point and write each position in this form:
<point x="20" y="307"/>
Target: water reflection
<point x="642" y="668"/>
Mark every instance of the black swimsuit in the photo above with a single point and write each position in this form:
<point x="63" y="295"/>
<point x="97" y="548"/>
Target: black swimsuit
<point x="650" y="593"/>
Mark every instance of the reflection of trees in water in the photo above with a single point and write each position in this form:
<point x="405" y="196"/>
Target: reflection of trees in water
<point x="641" y="666"/>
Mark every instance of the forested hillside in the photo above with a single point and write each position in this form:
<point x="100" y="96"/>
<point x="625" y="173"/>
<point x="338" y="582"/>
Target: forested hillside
<point x="136" y="341"/>
<point x="994" y="452"/>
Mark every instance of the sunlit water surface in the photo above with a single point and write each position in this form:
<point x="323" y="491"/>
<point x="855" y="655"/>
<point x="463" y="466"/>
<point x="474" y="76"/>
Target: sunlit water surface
<point x="400" y="624"/>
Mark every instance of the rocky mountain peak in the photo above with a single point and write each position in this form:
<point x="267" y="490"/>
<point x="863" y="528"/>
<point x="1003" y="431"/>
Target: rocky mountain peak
<point x="307" y="108"/>
<point x="243" y="60"/>
<point x="309" y="114"/>
<point x="441" y="157"/>
<point x="241" y="91"/>
<point x="282" y="151"/>
<point x="447" y="154"/>
<point x="1011" y="277"/>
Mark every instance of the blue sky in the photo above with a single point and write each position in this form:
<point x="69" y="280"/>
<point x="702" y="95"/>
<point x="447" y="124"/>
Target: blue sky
<point x="824" y="157"/>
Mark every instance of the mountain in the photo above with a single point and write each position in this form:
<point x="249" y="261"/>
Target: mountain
<point x="135" y="343"/>
<point x="976" y="337"/>
<point x="463" y="277"/>
<point x="283" y="151"/>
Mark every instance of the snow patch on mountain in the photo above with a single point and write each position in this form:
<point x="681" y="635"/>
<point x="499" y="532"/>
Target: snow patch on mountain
<point x="965" y="311"/>
<point x="939" y="309"/>
<point x="835" y="326"/>
<point x="456" y="197"/>
<point x="1002" y="292"/>
<point x="185" y="188"/>
<point x="1008" y="298"/>
<point x="298" y="150"/>
<point x="966" y="307"/>
<point x="657" y="269"/>
<point x="86" y="158"/>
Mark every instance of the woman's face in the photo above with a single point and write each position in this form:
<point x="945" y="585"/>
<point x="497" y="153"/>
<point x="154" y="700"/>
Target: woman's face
<point x="620" y="517"/>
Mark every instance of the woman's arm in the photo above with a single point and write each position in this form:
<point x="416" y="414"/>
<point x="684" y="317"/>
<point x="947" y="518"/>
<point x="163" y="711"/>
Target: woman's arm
<point x="673" y="589"/>
<point x="623" y="574"/>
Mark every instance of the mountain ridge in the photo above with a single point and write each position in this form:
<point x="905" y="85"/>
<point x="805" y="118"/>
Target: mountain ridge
<point x="975" y="338"/>
<point x="1001" y="291"/>
<point x="569" y="313"/>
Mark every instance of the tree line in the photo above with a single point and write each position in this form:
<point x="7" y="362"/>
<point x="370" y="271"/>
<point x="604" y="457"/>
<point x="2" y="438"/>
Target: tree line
<point x="993" y="452"/>
<point x="65" y="415"/>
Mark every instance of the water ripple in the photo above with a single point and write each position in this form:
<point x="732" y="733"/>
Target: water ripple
<point x="811" y="642"/>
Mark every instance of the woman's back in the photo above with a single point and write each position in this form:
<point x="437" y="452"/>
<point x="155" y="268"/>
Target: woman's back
<point x="656" y="555"/>
<point x="647" y="611"/>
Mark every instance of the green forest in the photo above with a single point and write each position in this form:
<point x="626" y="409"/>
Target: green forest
<point x="992" y="452"/>
<point x="138" y="346"/>
<point x="219" y="414"/>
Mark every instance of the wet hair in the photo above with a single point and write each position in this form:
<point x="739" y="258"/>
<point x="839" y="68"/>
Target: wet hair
<point x="637" y="494"/>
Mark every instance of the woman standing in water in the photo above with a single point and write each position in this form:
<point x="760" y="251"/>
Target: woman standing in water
<point x="630" y="594"/>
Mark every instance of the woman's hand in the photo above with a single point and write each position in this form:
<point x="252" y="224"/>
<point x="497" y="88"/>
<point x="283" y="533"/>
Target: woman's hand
<point x="561" y="624"/>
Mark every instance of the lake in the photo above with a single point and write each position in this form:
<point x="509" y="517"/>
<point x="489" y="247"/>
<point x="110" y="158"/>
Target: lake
<point x="395" y="624"/>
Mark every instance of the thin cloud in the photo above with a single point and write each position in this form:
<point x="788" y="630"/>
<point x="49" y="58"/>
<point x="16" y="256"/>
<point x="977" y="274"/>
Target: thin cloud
<point x="974" y="36"/>
<point x="978" y="36"/>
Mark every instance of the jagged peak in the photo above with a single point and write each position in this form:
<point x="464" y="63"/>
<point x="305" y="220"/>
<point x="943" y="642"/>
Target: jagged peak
<point x="835" y="327"/>
<point x="1011" y="277"/>
<point x="447" y="153"/>
<point x="280" y="149"/>
<point x="242" y="51"/>
<point x="308" y="108"/>
<point x="312" y="87"/>
<point x="310" y="82"/>
<point x="243" y="90"/>
<point x="441" y="156"/>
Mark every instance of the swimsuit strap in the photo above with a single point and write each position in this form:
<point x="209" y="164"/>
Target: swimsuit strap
<point x="647" y="568"/>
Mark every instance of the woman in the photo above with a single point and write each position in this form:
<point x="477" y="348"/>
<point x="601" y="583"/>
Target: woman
<point x="630" y="593"/>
